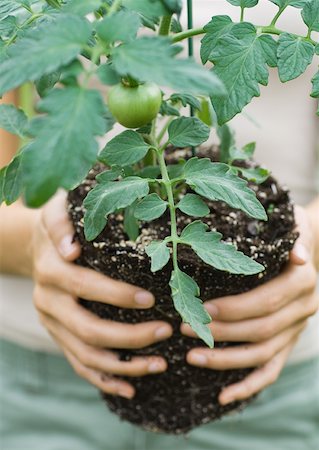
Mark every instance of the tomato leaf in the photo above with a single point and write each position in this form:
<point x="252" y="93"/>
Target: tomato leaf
<point x="53" y="45"/>
<point x="2" y="180"/>
<point x="131" y="225"/>
<point x="13" y="183"/>
<point x="108" y="75"/>
<point x="106" y="198"/>
<point x="208" y="246"/>
<point x="187" y="131"/>
<point x="193" y="205"/>
<point x="227" y="141"/>
<point x="125" y="149"/>
<point x="13" y="120"/>
<point x="153" y="59"/>
<point x="120" y="26"/>
<point x="282" y="4"/>
<point x="8" y="26"/>
<point x="243" y="153"/>
<point x="294" y="56"/>
<point x="159" y="254"/>
<point x="257" y="175"/>
<point x="186" y="99"/>
<point x="215" y="182"/>
<point x="149" y="8"/>
<point x="244" y="3"/>
<point x="64" y="148"/>
<point x="150" y="207"/>
<point x="219" y="26"/>
<point x="310" y="15"/>
<point x="81" y="7"/>
<point x="185" y="294"/>
<point x="315" y="87"/>
<point x="240" y="60"/>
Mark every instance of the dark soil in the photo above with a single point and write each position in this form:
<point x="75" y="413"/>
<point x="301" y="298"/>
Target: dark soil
<point x="184" y="396"/>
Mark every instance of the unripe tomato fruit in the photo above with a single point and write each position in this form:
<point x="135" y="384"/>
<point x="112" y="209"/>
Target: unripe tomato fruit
<point x="134" y="106"/>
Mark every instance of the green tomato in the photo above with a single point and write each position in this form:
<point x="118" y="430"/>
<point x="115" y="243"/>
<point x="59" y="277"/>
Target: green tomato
<point x="134" y="106"/>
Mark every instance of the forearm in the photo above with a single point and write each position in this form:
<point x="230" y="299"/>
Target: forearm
<point x="313" y="212"/>
<point x="16" y="229"/>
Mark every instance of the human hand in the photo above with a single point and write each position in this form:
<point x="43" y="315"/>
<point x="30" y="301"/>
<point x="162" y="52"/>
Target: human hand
<point x="268" y="319"/>
<point x="84" y="337"/>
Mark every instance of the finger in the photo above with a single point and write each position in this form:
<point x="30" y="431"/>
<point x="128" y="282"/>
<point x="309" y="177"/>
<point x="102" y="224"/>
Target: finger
<point x="243" y="356"/>
<point x="89" y="284"/>
<point x="95" y="331"/>
<point x="258" y="379"/>
<point x="266" y="299"/>
<point x="264" y="328"/>
<point x="102" y="381"/>
<point x="101" y="359"/>
<point x="301" y="252"/>
<point x="59" y="227"/>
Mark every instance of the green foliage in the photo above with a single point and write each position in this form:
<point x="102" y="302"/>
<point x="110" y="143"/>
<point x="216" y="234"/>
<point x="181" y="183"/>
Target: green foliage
<point x="150" y="207"/>
<point x="244" y="3"/>
<point x="218" y="27"/>
<point x="187" y="131"/>
<point x="185" y="292"/>
<point x="159" y="254"/>
<point x="315" y="87"/>
<point x="53" y="45"/>
<point x="208" y="246"/>
<point x="294" y="56"/>
<point x="186" y="99"/>
<point x="13" y="120"/>
<point x="81" y="7"/>
<point x="62" y="152"/>
<point x="13" y="185"/>
<point x="2" y="180"/>
<point x="8" y="26"/>
<point x="282" y="4"/>
<point x="125" y="149"/>
<point x="193" y="205"/>
<point x="310" y="15"/>
<point x="240" y="59"/>
<point x="131" y="224"/>
<point x="153" y="59"/>
<point x="216" y="182"/>
<point x="47" y="82"/>
<point x="121" y="26"/>
<point x="107" y="197"/>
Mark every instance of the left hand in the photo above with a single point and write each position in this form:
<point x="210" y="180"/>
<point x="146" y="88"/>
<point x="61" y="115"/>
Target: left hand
<point x="269" y="319"/>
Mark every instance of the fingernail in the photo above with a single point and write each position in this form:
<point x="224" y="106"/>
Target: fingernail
<point x="144" y="298"/>
<point x="163" y="332"/>
<point x="66" y="246"/>
<point x="198" y="359"/>
<point x="212" y="309"/>
<point x="301" y="252"/>
<point x="155" y="367"/>
<point x="127" y="393"/>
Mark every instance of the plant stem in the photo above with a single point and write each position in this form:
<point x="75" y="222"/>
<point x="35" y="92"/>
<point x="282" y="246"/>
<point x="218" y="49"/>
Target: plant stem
<point x="187" y="34"/>
<point x="274" y="20"/>
<point x="242" y="12"/>
<point x="114" y="7"/>
<point x="165" y="25"/>
<point x="24" y="24"/>
<point x="170" y="198"/>
<point x="164" y="129"/>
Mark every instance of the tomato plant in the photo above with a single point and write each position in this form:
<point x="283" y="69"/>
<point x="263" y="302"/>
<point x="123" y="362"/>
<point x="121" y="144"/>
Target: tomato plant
<point x="61" y="46"/>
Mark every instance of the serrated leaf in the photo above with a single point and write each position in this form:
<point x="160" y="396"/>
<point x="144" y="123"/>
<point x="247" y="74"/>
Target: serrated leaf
<point x="47" y="82"/>
<point x="9" y="6"/>
<point x="149" y="8"/>
<point x="219" y="26"/>
<point x="215" y="182"/>
<point x="159" y="254"/>
<point x="257" y="175"/>
<point x="174" y="6"/>
<point x="64" y="149"/>
<point x="296" y="3"/>
<point x="125" y="149"/>
<point x="187" y="131"/>
<point x="106" y="198"/>
<point x="186" y="99"/>
<point x="13" y="120"/>
<point x="150" y="172"/>
<point x="241" y="62"/>
<point x="53" y="44"/>
<point x="131" y="225"/>
<point x="108" y="75"/>
<point x="315" y="88"/>
<point x="2" y="180"/>
<point x="13" y="184"/>
<point x="153" y="59"/>
<point x="208" y="246"/>
<point x="206" y="113"/>
<point x="193" y="205"/>
<point x="243" y="153"/>
<point x="270" y="48"/>
<point x="310" y="15"/>
<point x="150" y="207"/>
<point x="227" y="140"/>
<point x="185" y="292"/>
<point x="168" y="110"/>
<point x="120" y="26"/>
<point x="109" y="175"/>
<point x="81" y="7"/>
<point x="294" y="56"/>
<point x="244" y="3"/>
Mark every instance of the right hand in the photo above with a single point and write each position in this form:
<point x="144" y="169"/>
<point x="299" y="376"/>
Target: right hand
<point x="84" y="337"/>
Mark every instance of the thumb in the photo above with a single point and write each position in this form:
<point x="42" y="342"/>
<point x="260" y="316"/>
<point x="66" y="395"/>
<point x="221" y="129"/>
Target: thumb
<point x="301" y="252"/>
<point x="59" y="227"/>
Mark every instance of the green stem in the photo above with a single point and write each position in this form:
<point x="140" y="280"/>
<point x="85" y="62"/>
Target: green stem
<point x="170" y="198"/>
<point x="274" y="20"/>
<point x="242" y="12"/>
<point x="269" y="29"/>
<point x="164" y="129"/>
<point x="114" y="7"/>
<point x="165" y="25"/>
<point x="24" y="24"/>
